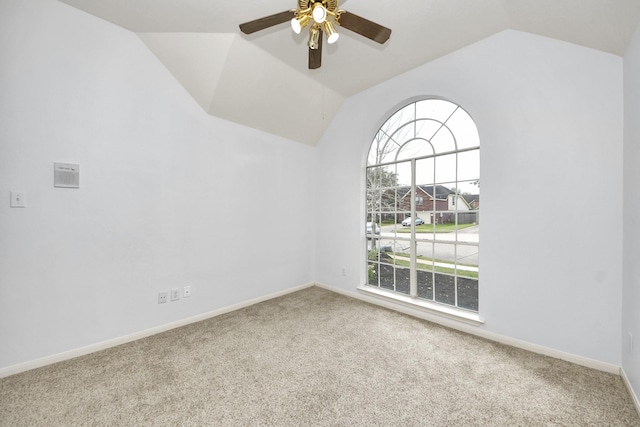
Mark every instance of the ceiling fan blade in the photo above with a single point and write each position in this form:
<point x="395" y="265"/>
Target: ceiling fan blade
<point x="364" y="27"/>
<point x="266" y="22"/>
<point x="315" y="55"/>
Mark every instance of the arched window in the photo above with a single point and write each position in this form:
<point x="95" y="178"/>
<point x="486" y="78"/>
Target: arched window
<point x="423" y="205"/>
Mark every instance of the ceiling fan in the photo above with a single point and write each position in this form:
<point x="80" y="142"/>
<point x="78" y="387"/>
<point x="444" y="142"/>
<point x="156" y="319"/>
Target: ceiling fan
<point x="321" y="16"/>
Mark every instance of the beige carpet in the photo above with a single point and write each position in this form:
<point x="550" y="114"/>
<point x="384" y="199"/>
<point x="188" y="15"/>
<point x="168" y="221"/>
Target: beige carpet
<point x="315" y="358"/>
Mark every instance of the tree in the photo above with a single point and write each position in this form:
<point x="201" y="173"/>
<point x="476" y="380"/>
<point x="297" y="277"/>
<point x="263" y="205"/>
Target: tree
<point x="382" y="183"/>
<point x="381" y="191"/>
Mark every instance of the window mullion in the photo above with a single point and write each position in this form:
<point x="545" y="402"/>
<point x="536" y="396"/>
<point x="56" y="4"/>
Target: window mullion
<point x="413" y="278"/>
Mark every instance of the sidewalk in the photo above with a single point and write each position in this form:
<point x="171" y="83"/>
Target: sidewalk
<point x="436" y="264"/>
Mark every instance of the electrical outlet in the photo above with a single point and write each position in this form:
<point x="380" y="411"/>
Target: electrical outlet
<point x="175" y="294"/>
<point x="630" y="343"/>
<point x="186" y="291"/>
<point x="162" y="297"/>
<point x="344" y="271"/>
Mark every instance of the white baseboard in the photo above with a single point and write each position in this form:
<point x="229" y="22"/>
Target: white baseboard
<point x="444" y="321"/>
<point x="478" y="331"/>
<point x="82" y="351"/>
<point x="632" y="392"/>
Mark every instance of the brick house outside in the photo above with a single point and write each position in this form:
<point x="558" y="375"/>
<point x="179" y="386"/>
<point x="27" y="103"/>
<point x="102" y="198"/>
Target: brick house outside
<point x="434" y="203"/>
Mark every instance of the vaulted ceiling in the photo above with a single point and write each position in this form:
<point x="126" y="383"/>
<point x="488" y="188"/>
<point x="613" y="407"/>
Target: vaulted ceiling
<point x="262" y="80"/>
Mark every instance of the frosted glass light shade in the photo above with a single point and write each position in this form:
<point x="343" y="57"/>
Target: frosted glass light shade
<point x="319" y="13"/>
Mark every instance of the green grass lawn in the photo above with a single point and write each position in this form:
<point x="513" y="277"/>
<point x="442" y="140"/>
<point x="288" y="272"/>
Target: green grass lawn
<point x="437" y="269"/>
<point x="440" y="228"/>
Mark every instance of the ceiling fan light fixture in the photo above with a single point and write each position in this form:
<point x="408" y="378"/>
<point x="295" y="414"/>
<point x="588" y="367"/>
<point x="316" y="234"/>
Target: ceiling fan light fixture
<point x="298" y="23"/>
<point x="332" y="34"/>
<point x="314" y="37"/>
<point x="319" y="16"/>
<point x="319" y="13"/>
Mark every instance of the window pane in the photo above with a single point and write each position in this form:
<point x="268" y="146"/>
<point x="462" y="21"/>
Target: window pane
<point x="373" y="177"/>
<point x="445" y="289"/>
<point x="443" y="141"/>
<point x="469" y="188"/>
<point x="383" y="150"/>
<point x="427" y="229"/>
<point x="372" y="274"/>
<point x="445" y="222"/>
<point x="446" y="168"/>
<point x="403" y="174"/>
<point x="424" y="251"/>
<point x="394" y="225"/>
<point x="462" y="125"/>
<point x="403" y="134"/>
<point x="469" y="165"/>
<point x="424" y="256"/>
<point x="468" y="293"/>
<point x="373" y="201"/>
<point x="427" y="128"/>
<point x="403" y="275"/>
<point x="404" y="115"/>
<point x="435" y="108"/>
<point x="425" y="285"/>
<point x="387" y="277"/>
<point x="388" y="200"/>
<point x="468" y="232"/>
<point x="425" y="171"/>
<point x="467" y="254"/>
<point x="444" y="257"/>
<point x="415" y="148"/>
<point x="373" y="229"/>
<point x="388" y="176"/>
<point x="401" y="250"/>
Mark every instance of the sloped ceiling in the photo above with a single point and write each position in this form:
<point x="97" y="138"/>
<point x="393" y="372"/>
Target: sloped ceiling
<point x="262" y="80"/>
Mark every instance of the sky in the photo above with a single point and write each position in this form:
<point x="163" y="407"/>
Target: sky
<point x="425" y="130"/>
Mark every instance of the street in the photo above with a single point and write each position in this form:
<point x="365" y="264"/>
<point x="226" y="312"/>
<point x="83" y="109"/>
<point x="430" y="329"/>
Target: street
<point x="426" y="247"/>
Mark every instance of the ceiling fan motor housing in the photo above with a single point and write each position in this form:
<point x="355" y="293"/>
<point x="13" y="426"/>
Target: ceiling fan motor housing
<point x="331" y="5"/>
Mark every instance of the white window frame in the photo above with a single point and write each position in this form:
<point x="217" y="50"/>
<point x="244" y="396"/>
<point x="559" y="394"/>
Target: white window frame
<point x="412" y="298"/>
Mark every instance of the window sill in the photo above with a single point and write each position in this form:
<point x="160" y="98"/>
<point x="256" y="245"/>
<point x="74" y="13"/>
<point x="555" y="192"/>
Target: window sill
<point x="422" y="305"/>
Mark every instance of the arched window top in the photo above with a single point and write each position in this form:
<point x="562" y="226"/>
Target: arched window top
<point x="425" y="128"/>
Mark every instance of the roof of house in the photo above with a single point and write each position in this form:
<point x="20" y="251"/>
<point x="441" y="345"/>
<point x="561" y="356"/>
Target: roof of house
<point x="471" y="197"/>
<point x="441" y="192"/>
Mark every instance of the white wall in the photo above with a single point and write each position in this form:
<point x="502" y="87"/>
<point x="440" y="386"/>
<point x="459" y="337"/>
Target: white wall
<point x="550" y="120"/>
<point x="167" y="194"/>
<point x="631" y="289"/>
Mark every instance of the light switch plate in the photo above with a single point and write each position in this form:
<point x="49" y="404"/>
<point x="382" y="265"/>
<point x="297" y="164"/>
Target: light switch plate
<point x="18" y="199"/>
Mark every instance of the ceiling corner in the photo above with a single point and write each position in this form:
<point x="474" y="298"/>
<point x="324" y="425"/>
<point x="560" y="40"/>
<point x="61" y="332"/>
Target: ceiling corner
<point x="196" y="60"/>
